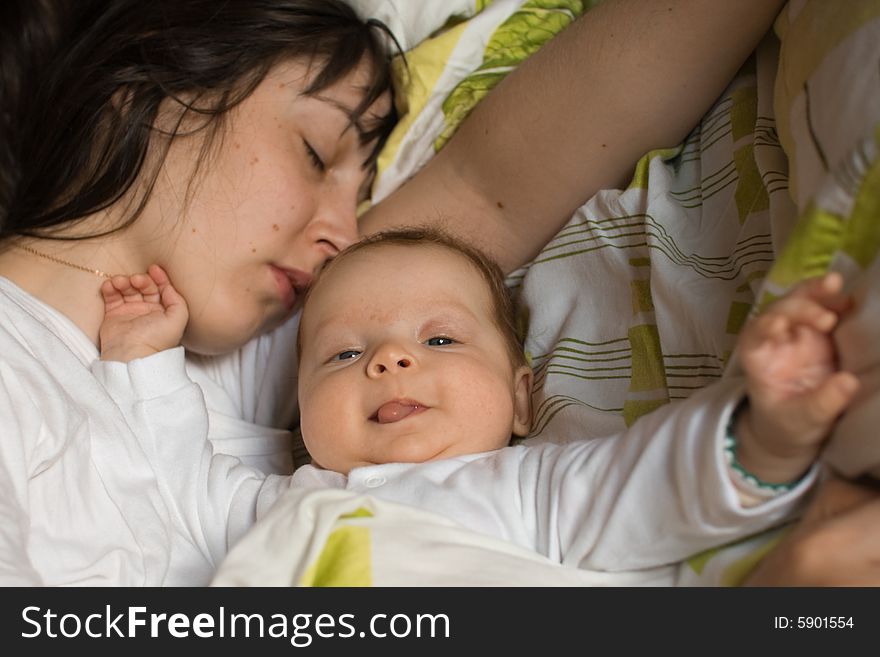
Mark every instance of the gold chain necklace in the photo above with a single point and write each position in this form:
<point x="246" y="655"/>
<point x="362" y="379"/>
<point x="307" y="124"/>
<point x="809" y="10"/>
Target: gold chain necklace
<point x="96" y="272"/>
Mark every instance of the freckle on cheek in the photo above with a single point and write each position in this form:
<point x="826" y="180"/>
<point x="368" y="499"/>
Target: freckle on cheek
<point x="253" y="250"/>
<point x="276" y="227"/>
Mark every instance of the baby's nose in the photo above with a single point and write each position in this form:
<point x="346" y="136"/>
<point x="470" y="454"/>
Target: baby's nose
<point x="379" y="365"/>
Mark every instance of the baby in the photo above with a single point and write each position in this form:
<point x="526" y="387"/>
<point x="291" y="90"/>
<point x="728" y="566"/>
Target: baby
<point x="412" y="382"/>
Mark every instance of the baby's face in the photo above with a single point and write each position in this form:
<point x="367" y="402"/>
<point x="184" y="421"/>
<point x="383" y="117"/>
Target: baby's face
<point x="402" y="362"/>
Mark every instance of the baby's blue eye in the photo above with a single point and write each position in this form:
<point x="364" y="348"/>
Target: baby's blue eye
<point x="439" y="341"/>
<point x="346" y="355"/>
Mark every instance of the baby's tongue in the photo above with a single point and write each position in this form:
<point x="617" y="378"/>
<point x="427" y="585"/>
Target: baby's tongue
<point x="393" y="411"/>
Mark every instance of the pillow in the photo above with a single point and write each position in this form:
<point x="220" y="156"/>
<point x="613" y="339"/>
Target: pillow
<point x="826" y="94"/>
<point x="445" y="76"/>
<point x="827" y="100"/>
<point x="412" y="22"/>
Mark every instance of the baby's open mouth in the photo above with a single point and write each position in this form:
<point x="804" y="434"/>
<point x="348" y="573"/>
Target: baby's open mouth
<point x="396" y="410"/>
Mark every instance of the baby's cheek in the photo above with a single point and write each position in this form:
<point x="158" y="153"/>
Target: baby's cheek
<point x="327" y="415"/>
<point x="490" y="409"/>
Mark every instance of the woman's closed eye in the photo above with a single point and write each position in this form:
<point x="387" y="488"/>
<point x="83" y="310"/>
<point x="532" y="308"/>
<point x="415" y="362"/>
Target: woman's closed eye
<point x="317" y="162"/>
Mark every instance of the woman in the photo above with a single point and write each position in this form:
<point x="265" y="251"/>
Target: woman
<point x="230" y="144"/>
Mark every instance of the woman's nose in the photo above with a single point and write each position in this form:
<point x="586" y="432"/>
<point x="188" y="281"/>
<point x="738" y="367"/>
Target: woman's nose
<point x="336" y="221"/>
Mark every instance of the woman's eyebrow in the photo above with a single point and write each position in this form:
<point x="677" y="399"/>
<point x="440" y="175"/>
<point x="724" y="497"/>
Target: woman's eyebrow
<point x="353" y="120"/>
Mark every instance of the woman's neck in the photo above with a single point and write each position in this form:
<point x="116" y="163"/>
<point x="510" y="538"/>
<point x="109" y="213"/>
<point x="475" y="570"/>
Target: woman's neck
<point x="57" y="273"/>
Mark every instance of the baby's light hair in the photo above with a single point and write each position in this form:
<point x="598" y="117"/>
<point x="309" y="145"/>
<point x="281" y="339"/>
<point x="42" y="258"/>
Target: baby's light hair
<point x="433" y="237"/>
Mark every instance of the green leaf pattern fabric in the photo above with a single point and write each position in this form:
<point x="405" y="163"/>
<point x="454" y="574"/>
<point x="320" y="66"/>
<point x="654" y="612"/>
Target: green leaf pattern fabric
<point x="522" y="34"/>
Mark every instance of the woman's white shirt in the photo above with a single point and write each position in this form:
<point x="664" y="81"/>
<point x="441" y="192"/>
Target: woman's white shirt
<point x="80" y="503"/>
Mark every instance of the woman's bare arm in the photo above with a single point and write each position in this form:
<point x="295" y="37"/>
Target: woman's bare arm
<point x="836" y="544"/>
<point x="629" y="76"/>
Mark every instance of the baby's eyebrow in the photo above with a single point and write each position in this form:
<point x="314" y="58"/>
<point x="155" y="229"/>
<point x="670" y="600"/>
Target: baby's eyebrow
<point x="318" y="333"/>
<point x="454" y="305"/>
<point x="440" y="313"/>
<point x="328" y="334"/>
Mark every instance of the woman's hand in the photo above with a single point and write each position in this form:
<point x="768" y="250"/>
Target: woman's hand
<point x="837" y="543"/>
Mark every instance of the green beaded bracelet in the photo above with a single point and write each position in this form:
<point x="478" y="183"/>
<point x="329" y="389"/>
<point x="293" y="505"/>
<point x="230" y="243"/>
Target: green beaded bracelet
<point x="747" y="477"/>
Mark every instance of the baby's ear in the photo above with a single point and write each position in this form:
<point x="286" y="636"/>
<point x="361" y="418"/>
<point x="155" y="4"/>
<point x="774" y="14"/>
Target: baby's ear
<point x="522" y="401"/>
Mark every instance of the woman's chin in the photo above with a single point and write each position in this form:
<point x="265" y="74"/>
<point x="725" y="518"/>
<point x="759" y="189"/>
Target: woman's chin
<point x="218" y="342"/>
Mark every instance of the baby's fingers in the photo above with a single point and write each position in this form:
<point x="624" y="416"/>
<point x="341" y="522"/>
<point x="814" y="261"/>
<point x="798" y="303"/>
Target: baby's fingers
<point x="147" y="288"/>
<point x="112" y="297"/>
<point x="119" y="290"/>
<point x="158" y="275"/>
<point x="785" y="315"/>
<point x="826" y="402"/>
<point x="173" y="302"/>
<point x="826" y="290"/>
<point x="772" y="326"/>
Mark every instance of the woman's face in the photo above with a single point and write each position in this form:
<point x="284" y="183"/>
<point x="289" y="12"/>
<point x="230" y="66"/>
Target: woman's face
<point x="275" y="198"/>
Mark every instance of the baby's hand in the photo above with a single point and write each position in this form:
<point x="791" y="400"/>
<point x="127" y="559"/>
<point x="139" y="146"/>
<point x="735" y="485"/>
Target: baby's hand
<point x="143" y="314"/>
<point x="795" y="389"/>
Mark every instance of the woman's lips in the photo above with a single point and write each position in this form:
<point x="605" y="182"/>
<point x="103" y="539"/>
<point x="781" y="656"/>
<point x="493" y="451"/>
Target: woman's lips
<point x="396" y="410"/>
<point x="291" y="284"/>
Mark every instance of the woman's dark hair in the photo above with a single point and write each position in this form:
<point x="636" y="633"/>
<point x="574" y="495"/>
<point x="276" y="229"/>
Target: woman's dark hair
<point x="83" y="80"/>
